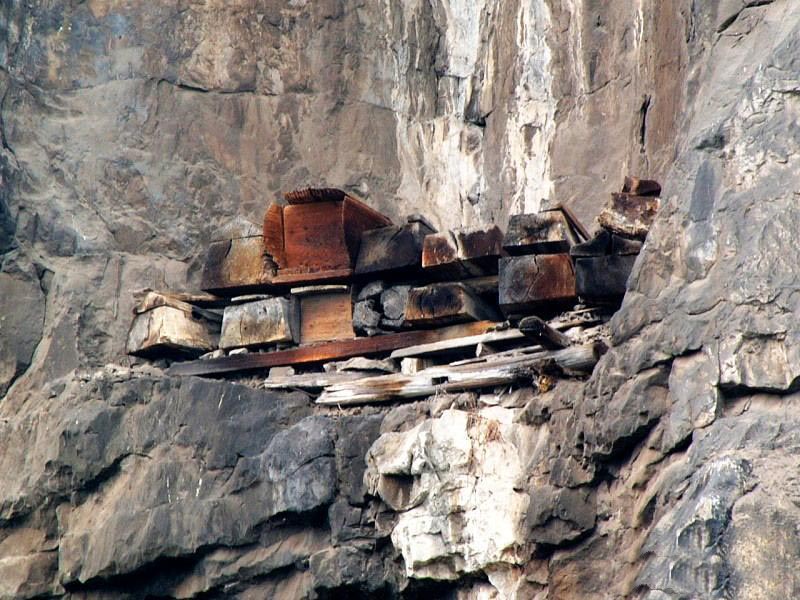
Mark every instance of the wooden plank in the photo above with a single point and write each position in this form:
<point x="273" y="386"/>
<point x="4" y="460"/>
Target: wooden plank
<point x="532" y="282"/>
<point x="327" y="351"/>
<point x="258" y="323"/>
<point x="603" y="277"/>
<point x="391" y="249"/>
<point x="540" y="332"/>
<point x="167" y="331"/>
<point x="629" y="215"/>
<point x="430" y="381"/>
<point x="546" y="232"/>
<point x="326" y="317"/>
<point x="237" y="266"/>
<point x="273" y="235"/>
<point x="641" y="187"/>
<point x="463" y="252"/>
<point x="442" y="303"/>
<point x="312" y="381"/>
<point x="152" y="300"/>
<point x="444" y="346"/>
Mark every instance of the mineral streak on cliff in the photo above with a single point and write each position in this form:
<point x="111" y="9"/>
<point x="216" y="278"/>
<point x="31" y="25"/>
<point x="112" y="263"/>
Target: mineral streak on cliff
<point x="131" y="131"/>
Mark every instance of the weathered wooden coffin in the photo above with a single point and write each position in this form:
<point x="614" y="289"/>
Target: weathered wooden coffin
<point x="629" y="215"/>
<point x="326" y="314"/>
<point x="528" y="283"/>
<point x="170" y="331"/>
<point x="392" y="249"/>
<point x="236" y="262"/>
<point x="641" y="187"/>
<point x="463" y="252"/>
<point x="259" y="323"/>
<point x="444" y="303"/>
<point x="317" y="236"/>
<point x="603" y="277"/>
<point x="547" y="232"/>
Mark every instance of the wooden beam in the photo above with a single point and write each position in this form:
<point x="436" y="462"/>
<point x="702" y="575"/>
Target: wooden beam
<point x="442" y="303"/>
<point x="327" y="351"/>
<point x="535" y="328"/>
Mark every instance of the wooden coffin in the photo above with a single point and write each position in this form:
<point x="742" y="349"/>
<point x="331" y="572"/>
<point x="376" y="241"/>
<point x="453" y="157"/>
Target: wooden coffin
<point x="547" y="232"/>
<point x="629" y="215"/>
<point x="317" y="236"/>
<point x="271" y="321"/>
<point x="326" y="313"/>
<point x="463" y="252"/>
<point x="169" y="331"/>
<point x="603" y="277"/>
<point x="445" y="303"/>
<point x="528" y="283"/>
<point x="236" y="262"/>
<point x="392" y="249"/>
<point x="641" y="187"/>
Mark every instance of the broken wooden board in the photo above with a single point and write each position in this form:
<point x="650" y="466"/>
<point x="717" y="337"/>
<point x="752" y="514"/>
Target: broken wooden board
<point x="167" y="331"/>
<point x="443" y="303"/>
<point x="316" y="237"/>
<point x="271" y="321"/>
<point x="529" y="282"/>
<point x="326" y="316"/>
<point x="461" y="343"/>
<point x="150" y="300"/>
<point x="603" y="277"/>
<point x="540" y="332"/>
<point x="451" y="378"/>
<point x="547" y="232"/>
<point x="328" y="351"/>
<point x="392" y="249"/>
<point x="463" y="253"/>
<point x="237" y="266"/>
<point x="629" y="215"/>
<point x="641" y="187"/>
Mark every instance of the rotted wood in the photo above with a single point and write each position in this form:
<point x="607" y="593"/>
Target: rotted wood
<point x="392" y="249"/>
<point x="258" y="323"/>
<point x="629" y="215"/>
<point x="168" y="331"/>
<point x="326" y="316"/>
<point x="463" y="253"/>
<point x="529" y="282"/>
<point x="641" y="187"/>
<point x="547" y="232"/>
<point x="540" y="332"/>
<point x="483" y="374"/>
<point x="442" y="303"/>
<point x="326" y="351"/>
<point x="603" y="277"/>
<point x="237" y="266"/>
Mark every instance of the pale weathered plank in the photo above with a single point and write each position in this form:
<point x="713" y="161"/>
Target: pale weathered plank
<point x="433" y="348"/>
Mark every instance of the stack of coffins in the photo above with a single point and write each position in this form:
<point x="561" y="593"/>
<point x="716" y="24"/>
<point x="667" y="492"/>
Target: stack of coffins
<point x="328" y="278"/>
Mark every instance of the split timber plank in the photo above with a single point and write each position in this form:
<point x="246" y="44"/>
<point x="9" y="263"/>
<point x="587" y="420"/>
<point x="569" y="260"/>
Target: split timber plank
<point x="432" y="348"/>
<point x="386" y="388"/>
<point x="441" y="303"/>
<point x="327" y="351"/>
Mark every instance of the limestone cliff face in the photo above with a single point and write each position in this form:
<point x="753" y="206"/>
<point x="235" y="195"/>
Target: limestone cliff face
<point x="131" y="132"/>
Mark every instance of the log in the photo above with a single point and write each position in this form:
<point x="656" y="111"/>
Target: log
<point x="237" y="266"/>
<point x="629" y="215"/>
<point x="531" y="282"/>
<point x="444" y="303"/>
<point x="366" y="317"/>
<point x="327" y="351"/>
<point x="168" y="331"/>
<point x="447" y="379"/>
<point x="392" y="249"/>
<point x="258" y="323"/>
<point x="394" y="302"/>
<point x="536" y="329"/>
<point x="641" y="187"/>
<point x="326" y="316"/>
<point x="603" y="277"/>
<point x="547" y="232"/>
<point x="463" y="252"/>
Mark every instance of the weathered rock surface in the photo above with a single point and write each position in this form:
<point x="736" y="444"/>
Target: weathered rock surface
<point x="131" y="134"/>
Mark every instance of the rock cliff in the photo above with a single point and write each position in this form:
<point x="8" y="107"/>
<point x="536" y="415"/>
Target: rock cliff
<point x="131" y="132"/>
